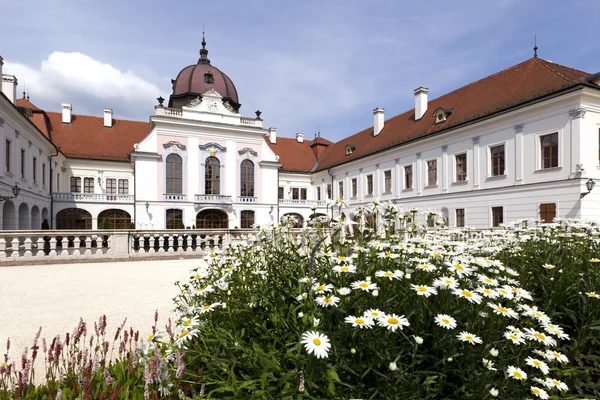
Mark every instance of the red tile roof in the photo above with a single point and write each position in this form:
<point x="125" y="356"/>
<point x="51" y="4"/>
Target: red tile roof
<point x="524" y="82"/>
<point x="294" y="156"/>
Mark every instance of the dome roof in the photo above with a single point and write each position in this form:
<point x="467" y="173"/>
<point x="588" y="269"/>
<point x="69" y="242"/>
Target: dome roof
<point x="198" y="78"/>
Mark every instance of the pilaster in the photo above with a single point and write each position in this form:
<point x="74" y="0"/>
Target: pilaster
<point x="444" y="169"/>
<point x="476" y="163"/>
<point x="417" y="174"/>
<point x="519" y="154"/>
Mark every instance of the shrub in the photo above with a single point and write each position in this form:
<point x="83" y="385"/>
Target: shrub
<point x="45" y="224"/>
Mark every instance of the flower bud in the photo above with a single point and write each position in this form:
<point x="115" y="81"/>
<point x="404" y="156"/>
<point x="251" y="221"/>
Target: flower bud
<point x="393" y="366"/>
<point x="494" y="392"/>
<point x="353" y="350"/>
<point x="407" y="276"/>
<point x="418" y="339"/>
<point x="449" y="359"/>
<point x="494" y="352"/>
<point x="316" y="322"/>
<point x="300" y="314"/>
<point x="375" y="293"/>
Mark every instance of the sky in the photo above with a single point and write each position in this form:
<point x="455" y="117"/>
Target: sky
<point x="310" y="65"/>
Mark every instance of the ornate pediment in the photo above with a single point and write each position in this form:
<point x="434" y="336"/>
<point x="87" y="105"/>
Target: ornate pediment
<point x="212" y="93"/>
<point x="212" y="148"/>
<point x="247" y="152"/>
<point x="174" y="146"/>
<point x="195" y="102"/>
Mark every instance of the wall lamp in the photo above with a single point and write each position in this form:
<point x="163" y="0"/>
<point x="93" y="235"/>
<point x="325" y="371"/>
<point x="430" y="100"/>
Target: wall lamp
<point x="16" y="190"/>
<point x="147" y="206"/>
<point x="271" y="210"/>
<point x="589" y="185"/>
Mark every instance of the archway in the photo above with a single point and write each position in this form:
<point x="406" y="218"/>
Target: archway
<point x="9" y="216"/>
<point x="212" y="219"/>
<point x="114" y="219"/>
<point x="36" y="222"/>
<point x="24" y="217"/>
<point x="45" y="215"/>
<point x="299" y="219"/>
<point x="445" y="216"/>
<point x="73" y="218"/>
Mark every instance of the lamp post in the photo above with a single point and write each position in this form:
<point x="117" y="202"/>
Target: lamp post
<point x="16" y="190"/>
<point x="589" y="186"/>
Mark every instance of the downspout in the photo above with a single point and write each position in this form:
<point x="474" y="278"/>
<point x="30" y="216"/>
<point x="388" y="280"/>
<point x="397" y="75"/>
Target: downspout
<point x="329" y="172"/>
<point x="134" y="197"/>
<point x="51" y="180"/>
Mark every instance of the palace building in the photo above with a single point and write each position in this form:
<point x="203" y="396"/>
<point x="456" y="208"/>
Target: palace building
<point x="521" y="143"/>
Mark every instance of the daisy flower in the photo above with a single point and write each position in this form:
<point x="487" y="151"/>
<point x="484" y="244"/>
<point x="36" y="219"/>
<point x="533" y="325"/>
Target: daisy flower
<point x="534" y="335"/>
<point x="325" y="301"/>
<point x="489" y="364"/>
<point x="539" y="364"/>
<point x="393" y="322"/>
<point x="207" y="308"/>
<point x="320" y="288"/>
<point x="341" y="269"/>
<point x="445" y="321"/>
<point x="514" y="338"/>
<point x="389" y="274"/>
<point x="364" y="285"/>
<point x="205" y="290"/>
<point x="423" y="290"/>
<point x="361" y="322"/>
<point x="459" y="268"/>
<point x="489" y="293"/>
<point x="592" y="294"/>
<point x="387" y="255"/>
<point x="343" y="291"/>
<point x="555" y="355"/>
<point x="316" y="343"/>
<point x="446" y="282"/>
<point x="505" y="292"/>
<point x="307" y="280"/>
<point x="555" y="383"/>
<point x="188" y="322"/>
<point x="595" y="260"/>
<point x="501" y="310"/>
<point x="184" y="336"/>
<point x="467" y="294"/>
<point x="468" y="337"/>
<point x="539" y="393"/>
<point x="373" y="313"/>
<point x="516" y="373"/>
<point x="555" y="330"/>
<point x="549" y="266"/>
<point x="488" y="281"/>
<point x="426" y="267"/>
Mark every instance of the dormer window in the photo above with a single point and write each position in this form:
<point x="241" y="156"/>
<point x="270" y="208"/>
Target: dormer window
<point x="441" y="114"/>
<point x="209" y="79"/>
<point x="350" y="148"/>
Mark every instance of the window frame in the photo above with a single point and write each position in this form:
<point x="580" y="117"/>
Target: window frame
<point x="171" y="178"/>
<point x="247" y="178"/>
<point x="23" y="165"/>
<point x="408" y="177"/>
<point x="369" y="185"/>
<point x="432" y="172"/>
<point x="8" y="144"/>
<point x="111" y="186"/>
<point x="169" y="220"/>
<point x="303" y="194"/>
<point x="44" y="175"/>
<point x="86" y="180"/>
<point x="318" y="193"/>
<point x="341" y="190"/>
<point x="212" y="175"/>
<point x="494" y="222"/>
<point x="77" y="184"/>
<point x="552" y="147"/>
<point x="245" y="221"/>
<point x="280" y="193"/>
<point x="354" y="184"/>
<point x="34" y="176"/>
<point x="460" y="164"/>
<point x="459" y="221"/>
<point x="387" y="181"/>
<point x="295" y="193"/>
<point x="491" y="158"/>
<point x="544" y="218"/>
<point x="123" y="186"/>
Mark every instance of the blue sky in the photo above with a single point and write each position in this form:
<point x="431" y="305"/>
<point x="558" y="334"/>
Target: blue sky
<point x="306" y="65"/>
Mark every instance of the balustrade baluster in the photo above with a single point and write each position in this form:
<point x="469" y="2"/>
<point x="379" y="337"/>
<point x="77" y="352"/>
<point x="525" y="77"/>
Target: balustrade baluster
<point x="2" y="247"/>
<point x="171" y="248"/>
<point x="88" y="246"/>
<point x="28" y="244"/>
<point x="76" y="244"/>
<point x="14" y="245"/>
<point x="161" y="244"/>
<point x="52" y="246"/>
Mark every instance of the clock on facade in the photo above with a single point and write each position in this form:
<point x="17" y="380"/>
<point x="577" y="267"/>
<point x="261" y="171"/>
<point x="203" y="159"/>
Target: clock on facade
<point x="212" y="105"/>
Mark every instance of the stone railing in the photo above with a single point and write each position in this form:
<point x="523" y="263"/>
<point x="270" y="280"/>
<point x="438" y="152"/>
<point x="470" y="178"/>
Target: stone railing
<point x="93" y="197"/>
<point x="247" y="199"/>
<point x="171" y="112"/>
<point x="174" y="196"/>
<point x="251" y="122"/>
<point x="302" y="203"/>
<point x="212" y="199"/>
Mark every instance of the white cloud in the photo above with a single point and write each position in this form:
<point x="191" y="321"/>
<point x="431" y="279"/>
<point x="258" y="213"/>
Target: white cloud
<point x="88" y="84"/>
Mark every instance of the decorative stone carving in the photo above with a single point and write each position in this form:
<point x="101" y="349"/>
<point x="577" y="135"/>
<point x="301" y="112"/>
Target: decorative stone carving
<point x="476" y="140"/>
<point x="229" y="107"/>
<point x="17" y="133"/>
<point x="212" y="148"/>
<point x="63" y="169"/>
<point x="195" y="102"/>
<point x="248" y="152"/>
<point x="30" y="143"/>
<point x="419" y="155"/>
<point x="444" y="148"/>
<point x="174" y="146"/>
<point x="577" y="113"/>
<point x="519" y="128"/>
<point x="40" y="150"/>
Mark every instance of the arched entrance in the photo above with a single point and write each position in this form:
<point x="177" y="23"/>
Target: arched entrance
<point x="36" y="222"/>
<point x="45" y="215"/>
<point x="114" y="219"/>
<point x="73" y="218"/>
<point x="9" y="216"/>
<point x="212" y="219"/>
<point x="24" y="220"/>
<point x="299" y="219"/>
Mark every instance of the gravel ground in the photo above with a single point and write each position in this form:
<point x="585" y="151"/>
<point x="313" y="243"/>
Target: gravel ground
<point x="55" y="297"/>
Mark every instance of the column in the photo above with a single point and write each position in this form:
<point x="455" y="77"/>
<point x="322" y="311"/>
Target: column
<point x="519" y="154"/>
<point x="417" y="174"/>
<point x="477" y="166"/>
<point x="396" y="185"/>
<point x="577" y="151"/>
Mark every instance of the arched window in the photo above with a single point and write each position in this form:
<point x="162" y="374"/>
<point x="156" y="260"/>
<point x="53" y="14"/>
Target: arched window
<point x="247" y="178"/>
<point x="73" y="218"/>
<point x="114" y="219"/>
<point x="174" y="174"/>
<point x="212" y="176"/>
<point x="212" y="219"/>
<point x="247" y="219"/>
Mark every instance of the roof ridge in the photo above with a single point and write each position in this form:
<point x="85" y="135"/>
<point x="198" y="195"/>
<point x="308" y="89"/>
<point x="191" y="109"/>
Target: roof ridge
<point x="94" y="116"/>
<point x="547" y="65"/>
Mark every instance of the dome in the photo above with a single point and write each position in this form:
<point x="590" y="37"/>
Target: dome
<point x="198" y="78"/>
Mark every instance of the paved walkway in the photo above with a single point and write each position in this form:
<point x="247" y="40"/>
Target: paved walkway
<point x="56" y="296"/>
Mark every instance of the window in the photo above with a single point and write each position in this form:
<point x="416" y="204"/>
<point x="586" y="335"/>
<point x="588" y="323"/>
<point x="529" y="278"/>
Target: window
<point x="497" y="160"/>
<point x="23" y="163"/>
<point x="34" y="172"/>
<point x="8" y="155"/>
<point x="318" y="193"/>
<point x="549" y="145"/>
<point x="75" y="184"/>
<point x="209" y="79"/>
<point x="123" y="186"/>
<point x="295" y="193"/>
<point x="247" y="219"/>
<point x="461" y="167"/>
<point x="408" y="181"/>
<point x="341" y="189"/>
<point x="431" y="172"/>
<point x="174" y="174"/>
<point x="329" y="194"/>
<point x="88" y="185"/>
<point x="387" y="179"/>
<point x="280" y="193"/>
<point x="547" y="212"/>
<point x="247" y="178"/>
<point x="430" y="221"/>
<point x="111" y="186"/>
<point x="303" y="194"/>
<point x="212" y="176"/>
<point x="354" y="188"/>
<point x="44" y="175"/>
<point x="369" y="185"/>
<point x="460" y="217"/>
<point x="174" y="219"/>
<point x="497" y="216"/>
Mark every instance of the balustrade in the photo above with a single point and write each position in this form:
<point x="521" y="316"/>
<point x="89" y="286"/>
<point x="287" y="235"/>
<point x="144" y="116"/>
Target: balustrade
<point x="93" y="197"/>
<point x="212" y="199"/>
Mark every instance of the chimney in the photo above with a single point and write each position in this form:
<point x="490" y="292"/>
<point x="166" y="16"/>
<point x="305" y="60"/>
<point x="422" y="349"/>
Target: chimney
<point x="273" y="135"/>
<point x="377" y="121"/>
<point x="108" y="118"/>
<point x="420" y="102"/>
<point x="9" y="87"/>
<point x="66" y="113"/>
<point x="300" y="137"/>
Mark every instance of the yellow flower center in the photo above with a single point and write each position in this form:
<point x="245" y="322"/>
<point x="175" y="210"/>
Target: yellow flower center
<point x="556" y="383"/>
<point x="425" y="266"/>
<point x="488" y="280"/>
<point x="364" y="285"/>
<point x="503" y="292"/>
<point x="327" y="300"/>
<point x="342" y="258"/>
<point x="374" y="314"/>
<point x="393" y="321"/>
<point x="518" y="375"/>
<point x="344" y="269"/>
<point x="422" y="289"/>
<point x="468" y="337"/>
<point x="514" y="337"/>
<point x="540" y="336"/>
<point x="187" y="322"/>
<point x="536" y="363"/>
<point x="206" y="308"/>
<point x="487" y="291"/>
<point x="437" y="255"/>
<point x="466" y="293"/>
<point x="388" y="254"/>
<point x="320" y="287"/>
<point x="556" y="355"/>
<point x="388" y="274"/>
<point x="502" y="309"/>
<point x="448" y="282"/>
<point x="459" y="267"/>
<point x="445" y="321"/>
<point x="183" y="334"/>
<point x="3" y="365"/>
<point x="536" y="390"/>
<point x="360" y="321"/>
<point x="317" y="342"/>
